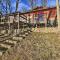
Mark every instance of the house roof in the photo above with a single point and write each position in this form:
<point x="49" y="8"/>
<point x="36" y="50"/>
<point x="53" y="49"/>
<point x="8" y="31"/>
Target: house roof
<point x="37" y="9"/>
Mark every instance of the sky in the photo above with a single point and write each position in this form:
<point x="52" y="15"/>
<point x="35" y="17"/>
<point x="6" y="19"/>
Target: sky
<point x="24" y="4"/>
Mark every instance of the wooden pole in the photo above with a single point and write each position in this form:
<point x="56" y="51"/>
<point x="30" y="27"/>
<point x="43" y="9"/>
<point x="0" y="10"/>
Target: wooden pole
<point x="58" y="13"/>
<point x="18" y="23"/>
<point x="9" y="23"/>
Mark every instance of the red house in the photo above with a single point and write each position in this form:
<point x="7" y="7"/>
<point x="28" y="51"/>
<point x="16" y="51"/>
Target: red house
<point x="43" y="16"/>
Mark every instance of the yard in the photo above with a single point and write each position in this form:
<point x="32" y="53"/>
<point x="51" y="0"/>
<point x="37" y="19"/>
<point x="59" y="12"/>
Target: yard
<point x="40" y="46"/>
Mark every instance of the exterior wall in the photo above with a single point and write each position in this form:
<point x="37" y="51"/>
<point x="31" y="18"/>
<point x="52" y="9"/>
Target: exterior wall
<point x="11" y="19"/>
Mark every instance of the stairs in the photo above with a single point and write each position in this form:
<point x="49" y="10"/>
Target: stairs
<point x="10" y="42"/>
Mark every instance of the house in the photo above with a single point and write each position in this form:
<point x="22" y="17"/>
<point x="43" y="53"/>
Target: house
<point x="43" y="16"/>
<point x="40" y="17"/>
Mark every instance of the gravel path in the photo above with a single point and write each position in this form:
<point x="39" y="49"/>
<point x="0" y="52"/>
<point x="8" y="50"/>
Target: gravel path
<point x="40" y="46"/>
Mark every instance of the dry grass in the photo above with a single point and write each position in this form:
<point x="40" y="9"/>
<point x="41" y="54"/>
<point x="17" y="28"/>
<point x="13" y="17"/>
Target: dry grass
<point x="40" y="46"/>
<point x="46" y="29"/>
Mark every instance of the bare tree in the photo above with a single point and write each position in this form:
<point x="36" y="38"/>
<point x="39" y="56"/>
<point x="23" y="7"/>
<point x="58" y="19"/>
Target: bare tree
<point x="17" y="3"/>
<point x="8" y="6"/>
<point x="24" y="9"/>
<point x="0" y="7"/>
<point x="43" y="3"/>
<point x="0" y="10"/>
<point x="32" y="3"/>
